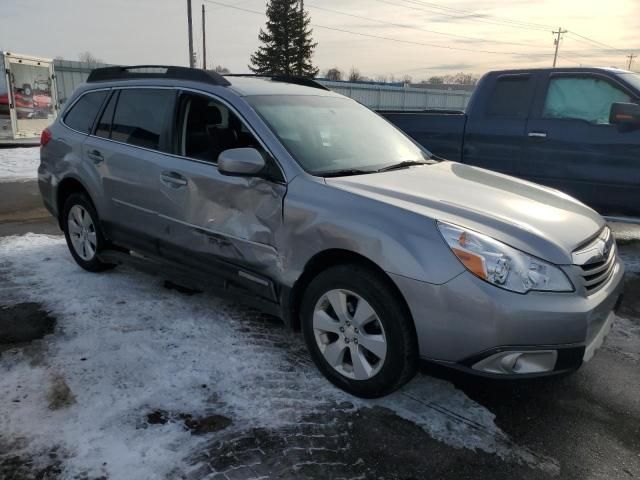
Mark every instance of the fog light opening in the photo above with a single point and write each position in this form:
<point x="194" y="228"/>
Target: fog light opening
<point x="519" y="362"/>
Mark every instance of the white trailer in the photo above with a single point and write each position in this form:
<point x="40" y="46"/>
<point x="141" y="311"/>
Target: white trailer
<point x="28" y="97"/>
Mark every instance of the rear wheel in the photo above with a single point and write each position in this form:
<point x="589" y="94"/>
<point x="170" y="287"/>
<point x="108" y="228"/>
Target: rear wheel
<point x="358" y="332"/>
<point x="82" y="232"/>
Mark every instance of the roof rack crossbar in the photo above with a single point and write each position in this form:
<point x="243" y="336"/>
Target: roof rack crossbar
<point x="168" y="72"/>
<point x="306" y="82"/>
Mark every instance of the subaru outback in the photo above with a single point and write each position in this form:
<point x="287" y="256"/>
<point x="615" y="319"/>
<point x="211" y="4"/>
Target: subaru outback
<point x="311" y="207"/>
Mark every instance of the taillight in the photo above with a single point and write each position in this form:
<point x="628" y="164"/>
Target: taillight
<point x="45" y="136"/>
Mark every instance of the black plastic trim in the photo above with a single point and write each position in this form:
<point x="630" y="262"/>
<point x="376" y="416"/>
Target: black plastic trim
<point x="305" y="82"/>
<point x="171" y="73"/>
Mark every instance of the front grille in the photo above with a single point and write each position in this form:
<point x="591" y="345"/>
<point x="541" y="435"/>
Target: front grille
<point x="597" y="260"/>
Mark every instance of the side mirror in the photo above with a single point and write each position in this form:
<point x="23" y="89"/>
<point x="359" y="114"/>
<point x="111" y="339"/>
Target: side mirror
<point x="241" y="162"/>
<point x="625" y="114"/>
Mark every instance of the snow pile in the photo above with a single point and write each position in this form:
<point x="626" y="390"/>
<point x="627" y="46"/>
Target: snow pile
<point x="19" y="163"/>
<point x="124" y="346"/>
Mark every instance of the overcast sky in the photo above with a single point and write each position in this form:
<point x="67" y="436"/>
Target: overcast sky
<point x="480" y="34"/>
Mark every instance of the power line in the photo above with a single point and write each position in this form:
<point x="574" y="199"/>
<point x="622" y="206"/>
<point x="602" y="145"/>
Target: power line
<point x="484" y="15"/>
<point x="596" y="42"/>
<point x="410" y="42"/>
<point x="381" y="37"/>
<point x="414" y="28"/>
<point x="498" y="20"/>
<point x="469" y="18"/>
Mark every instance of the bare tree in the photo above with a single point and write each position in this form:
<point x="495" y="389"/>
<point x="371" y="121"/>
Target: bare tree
<point x="381" y="78"/>
<point x="435" y="80"/>
<point x="461" y="78"/>
<point x="407" y="79"/>
<point x="221" y="70"/>
<point x="88" y="57"/>
<point x="333" y="74"/>
<point x="355" y="75"/>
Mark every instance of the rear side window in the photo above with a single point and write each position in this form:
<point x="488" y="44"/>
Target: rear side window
<point x="103" y="129"/>
<point x="83" y="112"/>
<point x="511" y="97"/>
<point x="140" y="117"/>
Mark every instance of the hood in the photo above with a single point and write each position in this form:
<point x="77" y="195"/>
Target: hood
<point x="538" y="220"/>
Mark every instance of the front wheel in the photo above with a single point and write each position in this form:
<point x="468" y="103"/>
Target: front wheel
<point x="82" y="232"/>
<point x="358" y="331"/>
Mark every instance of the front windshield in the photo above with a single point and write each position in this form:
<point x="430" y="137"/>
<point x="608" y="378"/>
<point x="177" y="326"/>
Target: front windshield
<point x="333" y="134"/>
<point x="632" y="78"/>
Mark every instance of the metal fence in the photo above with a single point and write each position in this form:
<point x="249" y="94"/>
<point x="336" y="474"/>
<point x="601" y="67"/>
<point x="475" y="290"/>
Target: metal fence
<point x="70" y="74"/>
<point x="385" y="97"/>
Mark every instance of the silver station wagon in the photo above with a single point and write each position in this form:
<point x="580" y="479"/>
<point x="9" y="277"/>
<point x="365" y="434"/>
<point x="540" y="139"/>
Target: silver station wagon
<point x="311" y="207"/>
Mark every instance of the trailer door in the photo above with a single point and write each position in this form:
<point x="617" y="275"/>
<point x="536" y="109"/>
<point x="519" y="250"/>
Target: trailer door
<point x="6" y="129"/>
<point x="32" y="95"/>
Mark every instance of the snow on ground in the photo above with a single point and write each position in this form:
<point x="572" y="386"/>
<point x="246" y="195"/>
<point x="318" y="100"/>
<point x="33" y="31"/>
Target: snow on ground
<point x="631" y="257"/>
<point x="19" y="163"/>
<point x="125" y="347"/>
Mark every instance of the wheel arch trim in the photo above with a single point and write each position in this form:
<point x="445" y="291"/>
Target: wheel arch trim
<point x="291" y="297"/>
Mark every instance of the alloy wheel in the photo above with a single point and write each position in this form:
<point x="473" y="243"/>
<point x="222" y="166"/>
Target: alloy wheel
<point x="82" y="232"/>
<point x="349" y="334"/>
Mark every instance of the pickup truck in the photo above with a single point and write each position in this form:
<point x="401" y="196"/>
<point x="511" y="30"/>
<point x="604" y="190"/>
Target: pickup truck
<point x="573" y="129"/>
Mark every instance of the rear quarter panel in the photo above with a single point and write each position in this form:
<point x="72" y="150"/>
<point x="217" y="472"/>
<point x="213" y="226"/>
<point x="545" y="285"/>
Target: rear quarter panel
<point x="62" y="159"/>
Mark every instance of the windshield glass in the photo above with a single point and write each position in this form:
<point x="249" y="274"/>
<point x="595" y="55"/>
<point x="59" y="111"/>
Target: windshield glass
<point x="632" y="78"/>
<point x="332" y="134"/>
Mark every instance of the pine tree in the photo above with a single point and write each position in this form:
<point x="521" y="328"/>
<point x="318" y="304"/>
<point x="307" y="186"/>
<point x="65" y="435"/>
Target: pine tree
<point x="287" y="45"/>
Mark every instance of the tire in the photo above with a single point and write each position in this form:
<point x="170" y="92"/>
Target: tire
<point x="383" y="319"/>
<point x="76" y="230"/>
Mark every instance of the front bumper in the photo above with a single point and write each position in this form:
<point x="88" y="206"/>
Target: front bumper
<point x="466" y="321"/>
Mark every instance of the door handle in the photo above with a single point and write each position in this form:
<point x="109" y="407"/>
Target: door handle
<point x="95" y="156"/>
<point x="538" y="134"/>
<point x="173" y="179"/>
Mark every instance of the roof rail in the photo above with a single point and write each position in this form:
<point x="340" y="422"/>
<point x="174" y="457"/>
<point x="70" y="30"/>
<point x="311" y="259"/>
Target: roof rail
<point x="306" y="82"/>
<point x="168" y="72"/>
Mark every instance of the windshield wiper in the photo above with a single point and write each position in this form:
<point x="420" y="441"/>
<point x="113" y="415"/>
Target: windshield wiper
<point x="345" y="172"/>
<point x="405" y="164"/>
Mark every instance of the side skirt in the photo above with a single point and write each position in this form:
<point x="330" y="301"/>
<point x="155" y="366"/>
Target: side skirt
<point x="233" y="282"/>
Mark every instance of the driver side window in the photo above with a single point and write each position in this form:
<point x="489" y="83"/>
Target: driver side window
<point x="207" y="128"/>
<point x="582" y="98"/>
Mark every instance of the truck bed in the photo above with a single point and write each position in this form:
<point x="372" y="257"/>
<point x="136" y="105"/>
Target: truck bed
<point x="440" y="131"/>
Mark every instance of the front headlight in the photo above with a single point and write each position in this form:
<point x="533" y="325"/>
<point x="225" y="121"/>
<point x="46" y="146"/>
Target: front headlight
<point x="501" y="264"/>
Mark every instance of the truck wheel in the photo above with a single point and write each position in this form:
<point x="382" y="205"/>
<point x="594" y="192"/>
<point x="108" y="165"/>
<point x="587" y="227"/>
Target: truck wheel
<point x="82" y="232"/>
<point x="358" y="332"/>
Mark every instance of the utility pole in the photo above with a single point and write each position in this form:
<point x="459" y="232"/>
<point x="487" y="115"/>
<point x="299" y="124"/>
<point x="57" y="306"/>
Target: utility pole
<point x="204" y="42"/>
<point x="631" y="57"/>
<point x="191" y="62"/>
<point x="557" y="43"/>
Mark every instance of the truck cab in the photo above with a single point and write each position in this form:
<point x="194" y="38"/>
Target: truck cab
<point x="574" y="129"/>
